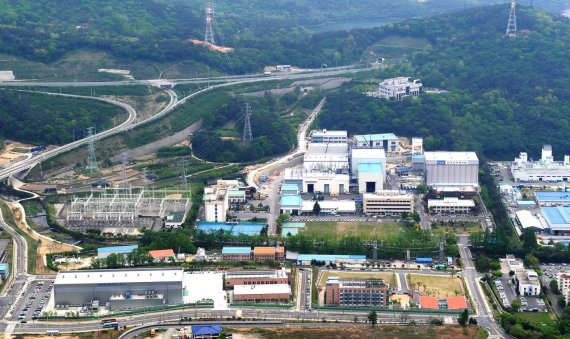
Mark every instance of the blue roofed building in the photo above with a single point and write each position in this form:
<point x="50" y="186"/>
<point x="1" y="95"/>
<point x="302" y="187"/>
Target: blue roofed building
<point x="247" y="228"/>
<point x="557" y="218"/>
<point x="4" y="271"/>
<point x="291" y="204"/>
<point x="236" y="253"/>
<point x="290" y="189"/>
<point x="370" y="177"/>
<point x="104" y="252"/>
<point x="552" y="198"/>
<point x="387" y="141"/>
<point x="206" y="331"/>
<point x="306" y="259"/>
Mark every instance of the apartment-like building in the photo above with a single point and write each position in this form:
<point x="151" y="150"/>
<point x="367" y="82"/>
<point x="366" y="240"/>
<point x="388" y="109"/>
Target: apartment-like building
<point x="356" y="292"/>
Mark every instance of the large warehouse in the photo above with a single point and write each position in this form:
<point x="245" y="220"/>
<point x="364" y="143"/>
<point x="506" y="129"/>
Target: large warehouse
<point x="452" y="171"/>
<point x="119" y="289"/>
<point x="557" y="218"/>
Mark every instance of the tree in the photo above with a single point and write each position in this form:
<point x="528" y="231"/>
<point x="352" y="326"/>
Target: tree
<point x="561" y="301"/>
<point x="316" y="208"/>
<point x="463" y="318"/>
<point x="516" y="304"/>
<point x="422" y="188"/>
<point x="529" y="239"/>
<point x="530" y="261"/>
<point x="373" y="318"/>
<point x="554" y="286"/>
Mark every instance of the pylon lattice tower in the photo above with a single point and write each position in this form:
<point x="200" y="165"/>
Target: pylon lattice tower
<point x="247" y="134"/>
<point x="92" y="165"/>
<point x="512" y="25"/>
<point x="209" y="36"/>
<point x="124" y="160"/>
<point x="183" y="164"/>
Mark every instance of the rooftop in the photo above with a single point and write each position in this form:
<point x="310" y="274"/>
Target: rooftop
<point x="236" y="250"/>
<point x="456" y="303"/>
<point x="328" y="133"/>
<point x="330" y="205"/>
<point x="127" y="276"/>
<point x="369" y="168"/>
<point x="162" y="253"/>
<point x="329" y="257"/>
<point x="249" y="228"/>
<point x="557" y="215"/>
<point x="527" y="277"/>
<point x="428" y="302"/>
<point x="369" y="153"/>
<point x="175" y="217"/>
<point x="289" y="187"/>
<point x="451" y="156"/>
<point x="375" y="137"/>
<point x="553" y="196"/>
<point x="528" y="220"/>
<point x="451" y="201"/>
<point x="262" y="289"/>
<point x="291" y="200"/>
<point x="201" y="330"/>
<point x="118" y="249"/>
<point x="236" y="193"/>
<point x="264" y="250"/>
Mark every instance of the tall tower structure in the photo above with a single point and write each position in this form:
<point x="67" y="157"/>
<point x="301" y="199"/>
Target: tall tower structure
<point x="209" y="36"/>
<point x="183" y="164"/>
<point x="124" y="160"/>
<point x="92" y="165"/>
<point x="512" y="25"/>
<point x="247" y="134"/>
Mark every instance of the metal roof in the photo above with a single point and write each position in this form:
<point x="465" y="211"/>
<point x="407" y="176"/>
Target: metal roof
<point x="369" y="168"/>
<point x="236" y="250"/>
<point x="127" y="276"/>
<point x="117" y="249"/>
<point x="262" y="289"/>
<point x="328" y="257"/>
<point x="375" y="137"/>
<point x="553" y="196"/>
<point x="206" y="329"/>
<point x="451" y="156"/>
<point x="291" y="200"/>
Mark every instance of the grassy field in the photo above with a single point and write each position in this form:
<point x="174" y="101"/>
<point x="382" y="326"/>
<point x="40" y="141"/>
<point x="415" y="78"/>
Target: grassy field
<point x="458" y="227"/>
<point x="388" y="277"/>
<point x="538" y="318"/>
<point x="437" y="286"/>
<point x="328" y="229"/>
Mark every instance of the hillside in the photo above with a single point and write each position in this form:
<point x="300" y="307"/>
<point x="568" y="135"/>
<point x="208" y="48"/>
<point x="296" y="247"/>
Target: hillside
<point x="505" y="95"/>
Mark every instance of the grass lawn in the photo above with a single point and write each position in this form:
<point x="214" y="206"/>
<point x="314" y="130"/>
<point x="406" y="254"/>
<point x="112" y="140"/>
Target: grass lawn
<point x="331" y="229"/>
<point x="388" y="277"/>
<point x="437" y="286"/>
<point x="458" y="227"/>
<point x="536" y="317"/>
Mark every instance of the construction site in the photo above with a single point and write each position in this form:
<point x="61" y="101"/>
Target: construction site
<point x="126" y="210"/>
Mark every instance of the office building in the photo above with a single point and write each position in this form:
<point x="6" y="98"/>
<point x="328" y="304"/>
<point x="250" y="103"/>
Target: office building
<point x="262" y="277"/>
<point x="451" y="205"/>
<point x="104" y="252"/>
<point x="119" y="289"/>
<point x="387" y="141"/>
<point x="388" y="203"/>
<point x="527" y="282"/>
<point x="262" y="253"/>
<point x="398" y="88"/>
<point x="326" y="136"/>
<point x="219" y="197"/>
<point x="356" y="292"/>
<point x="266" y="293"/>
<point x="546" y="169"/>
<point x="452" y="171"/>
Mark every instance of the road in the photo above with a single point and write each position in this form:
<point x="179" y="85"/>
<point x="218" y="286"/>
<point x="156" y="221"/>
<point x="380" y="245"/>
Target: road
<point x="483" y="311"/>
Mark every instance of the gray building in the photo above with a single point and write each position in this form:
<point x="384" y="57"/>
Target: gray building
<point x="119" y="289"/>
<point x="452" y="171"/>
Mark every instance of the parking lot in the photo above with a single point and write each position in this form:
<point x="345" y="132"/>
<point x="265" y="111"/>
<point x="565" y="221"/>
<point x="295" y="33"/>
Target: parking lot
<point x="551" y="270"/>
<point x="33" y="301"/>
<point x="507" y="293"/>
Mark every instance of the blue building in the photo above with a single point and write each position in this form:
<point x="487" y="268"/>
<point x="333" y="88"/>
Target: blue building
<point x="104" y="252"/>
<point x="4" y="271"/>
<point x="306" y="259"/>
<point x="206" y="331"/>
<point x="552" y="198"/>
<point x="291" y="204"/>
<point x="387" y="141"/>
<point x="557" y="218"/>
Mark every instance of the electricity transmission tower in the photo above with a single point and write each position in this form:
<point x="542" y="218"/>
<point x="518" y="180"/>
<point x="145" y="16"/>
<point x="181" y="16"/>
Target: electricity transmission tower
<point x="183" y="164"/>
<point x="512" y="25"/>
<point x="92" y="165"/>
<point x="209" y="36"/>
<point x="247" y="134"/>
<point x="124" y="169"/>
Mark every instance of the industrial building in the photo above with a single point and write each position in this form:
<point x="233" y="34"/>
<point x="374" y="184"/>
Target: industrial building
<point x="387" y="141"/>
<point x="398" y="88"/>
<point x="262" y="277"/>
<point x="259" y="253"/>
<point x="218" y="198"/>
<point x="417" y="146"/>
<point x="330" y="207"/>
<point x="513" y="263"/>
<point x="452" y="171"/>
<point x="366" y="156"/>
<point x="175" y="219"/>
<point x="527" y="282"/>
<point x="265" y="293"/>
<point x="104" y="252"/>
<point x="328" y="137"/>
<point x="236" y="253"/>
<point x="326" y="157"/>
<point x="356" y="292"/>
<point x="451" y="205"/>
<point x="291" y="204"/>
<point x="370" y="177"/>
<point x="526" y="220"/>
<point x="388" y="203"/>
<point x="546" y="169"/>
<point x="119" y="289"/>
<point x="4" y="271"/>
<point x="552" y="198"/>
<point x="329" y="183"/>
<point x="557" y="218"/>
<point x="306" y="259"/>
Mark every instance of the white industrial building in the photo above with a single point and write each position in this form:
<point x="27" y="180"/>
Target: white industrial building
<point x="387" y="141"/>
<point x="513" y="263"/>
<point x="326" y="182"/>
<point x="388" y="203"/>
<point x="546" y="169"/>
<point x="326" y="157"/>
<point x="368" y="156"/>
<point x="370" y="178"/>
<point x="330" y="206"/>
<point x="218" y="198"/>
<point x="326" y="136"/>
<point x="119" y="289"/>
<point x="450" y="205"/>
<point x="417" y="146"/>
<point x="452" y="171"/>
<point x="399" y="88"/>
<point x="526" y="220"/>
<point x="527" y="282"/>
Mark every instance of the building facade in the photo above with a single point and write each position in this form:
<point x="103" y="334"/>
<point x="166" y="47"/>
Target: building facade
<point x="451" y="205"/>
<point x="265" y="277"/>
<point x="564" y="284"/>
<point x="104" y="252"/>
<point x="356" y="292"/>
<point x="370" y="177"/>
<point x="452" y="170"/>
<point x="546" y="169"/>
<point x="386" y="141"/>
<point x="399" y="87"/>
<point x="368" y="156"/>
<point x="388" y="203"/>
<point x="266" y="293"/>
<point x="326" y="136"/>
<point x="527" y="282"/>
<point x="236" y="253"/>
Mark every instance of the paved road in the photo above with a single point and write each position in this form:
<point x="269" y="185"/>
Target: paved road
<point x="483" y="310"/>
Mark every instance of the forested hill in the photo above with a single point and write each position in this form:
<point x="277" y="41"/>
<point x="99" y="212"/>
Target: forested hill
<point x="506" y="95"/>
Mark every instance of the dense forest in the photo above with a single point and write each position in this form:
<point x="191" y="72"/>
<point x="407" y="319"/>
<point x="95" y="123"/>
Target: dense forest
<point x="43" y="119"/>
<point x="506" y="95"/>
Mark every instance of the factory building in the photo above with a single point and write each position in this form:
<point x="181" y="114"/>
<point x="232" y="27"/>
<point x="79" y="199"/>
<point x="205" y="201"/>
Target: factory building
<point x="399" y="88"/>
<point x="526" y="220"/>
<point x="366" y="156"/>
<point x="557" y="219"/>
<point x="546" y="169"/>
<point x="119" y="289"/>
<point x="330" y="207"/>
<point x="544" y="199"/>
<point x="332" y="137"/>
<point x="262" y="277"/>
<point x="326" y="182"/>
<point x="451" y="205"/>
<point x="290" y="204"/>
<point x="236" y="253"/>
<point x="388" y="203"/>
<point x="265" y="293"/>
<point x="356" y="292"/>
<point x="326" y="157"/>
<point x="370" y="178"/>
<point x="452" y="171"/>
<point x="417" y="146"/>
<point x="306" y="259"/>
<point x="104" y="252"/>
<point x="387" y="141"/>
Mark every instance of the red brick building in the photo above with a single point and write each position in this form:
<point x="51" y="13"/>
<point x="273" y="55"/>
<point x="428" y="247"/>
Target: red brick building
<point x="277" y="293"/>
<point x="264" y="277"/>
